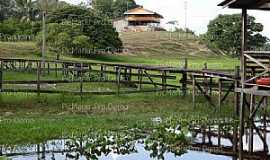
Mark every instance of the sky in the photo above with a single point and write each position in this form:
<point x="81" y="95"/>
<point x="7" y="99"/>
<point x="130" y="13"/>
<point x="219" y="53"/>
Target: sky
<point x="199" y="12"/>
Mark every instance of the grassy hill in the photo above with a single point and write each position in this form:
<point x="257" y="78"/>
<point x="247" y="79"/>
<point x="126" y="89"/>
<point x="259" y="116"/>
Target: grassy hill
<point x="164" y="44"/>
<point x="152" y="48"/>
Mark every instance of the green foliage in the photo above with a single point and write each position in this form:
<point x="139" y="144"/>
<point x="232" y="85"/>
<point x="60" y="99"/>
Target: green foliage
<point x="85" y="30"/>
<point x="81" y="41"/>
<point x="113" y="8"/>
<point x="14" y="26"/>
<point x="224" y="33"/>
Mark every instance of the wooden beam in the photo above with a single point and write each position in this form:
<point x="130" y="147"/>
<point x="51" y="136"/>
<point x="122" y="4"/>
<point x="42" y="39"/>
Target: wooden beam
<point x="243" y="75"/>
<point x="150" y="79"/>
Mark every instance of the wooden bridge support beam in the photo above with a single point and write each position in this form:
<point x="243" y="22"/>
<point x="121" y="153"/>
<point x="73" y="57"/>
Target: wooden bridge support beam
<point x="243" y="77"/>
<point x="236" y="94"/>
<point x="251" y="109"/>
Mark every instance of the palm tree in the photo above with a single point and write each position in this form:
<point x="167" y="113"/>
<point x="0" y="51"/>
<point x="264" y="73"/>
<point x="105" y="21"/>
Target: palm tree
<point x="26" y="9"/>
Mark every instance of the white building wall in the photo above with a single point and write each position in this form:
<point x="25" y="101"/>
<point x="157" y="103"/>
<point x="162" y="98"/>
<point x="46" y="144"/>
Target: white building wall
<point x="120" y="25"/>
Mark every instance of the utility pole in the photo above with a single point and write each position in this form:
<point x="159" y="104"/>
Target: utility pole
<point x="186" y="5"/>
<point x="43" y="35"/>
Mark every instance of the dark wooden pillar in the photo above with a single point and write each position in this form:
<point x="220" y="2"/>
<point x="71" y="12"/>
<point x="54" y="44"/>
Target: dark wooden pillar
<point x="236" y="94"/>
<point x="242" y="69"/>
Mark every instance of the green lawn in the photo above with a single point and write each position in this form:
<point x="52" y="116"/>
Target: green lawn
<point x="28" y="50"/>
<point x="27" y="118"/>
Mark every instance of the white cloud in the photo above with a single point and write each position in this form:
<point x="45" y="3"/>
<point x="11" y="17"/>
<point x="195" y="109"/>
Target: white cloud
<point x="199" y="12"/>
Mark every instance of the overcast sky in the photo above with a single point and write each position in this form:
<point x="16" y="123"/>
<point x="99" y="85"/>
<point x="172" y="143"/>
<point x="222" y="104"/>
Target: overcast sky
<point x="199" y="12"/>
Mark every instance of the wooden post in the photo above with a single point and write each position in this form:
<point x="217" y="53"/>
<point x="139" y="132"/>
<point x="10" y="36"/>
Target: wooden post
<point x="164" y="80"/>
<point x="118" y="80"/>
<point x="38" y="150"/>
<point x="243" y="64"/>
<point x="56" y="69"/>
<point x="235" y="140"/>
<point x="81" y="79"/>
<point x="101" y="73"/>
<point x="236" y="95"/>
<point x="250" y="143"/>
<point x="75" y="71"/>
<point x="38" y="77"/>
<point x="104" y="73"/>
<point x="126" y="74"/>
<point x="211" y="86"/>
<point x="48" y="65"/>
<point x="184" y="78"/>
<point x="89" y="71"/>
<point x="193" y="91"/>
<point x="219" y="136"/>
<point x="219" y="93"/>
<point x="43" y="151"/>
<point x="63" y="70"/>
<point x="130" y="75"/>
<point x="206" y="80"/>
<point x="116" y="74"/>
<point x="140" y="77"/>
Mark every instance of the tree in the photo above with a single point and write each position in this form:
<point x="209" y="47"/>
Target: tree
<point x="105" y="7"/>
<point x="7" y="9"/>
<point x="86" y="29"/>
<point x="121" y="6"/>
<point x="113" y="8"/>
<point x="224" y="32"/>
<point x="26" y="10"/>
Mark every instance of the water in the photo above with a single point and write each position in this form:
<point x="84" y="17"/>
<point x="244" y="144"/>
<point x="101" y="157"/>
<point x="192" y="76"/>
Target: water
<point x="198" y="142"/>
<point x="141" y="154"/>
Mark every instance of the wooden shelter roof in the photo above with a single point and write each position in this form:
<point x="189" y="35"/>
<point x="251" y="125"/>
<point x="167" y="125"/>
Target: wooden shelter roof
<point x="141" y="11"/>
<point x="247" y="4"/>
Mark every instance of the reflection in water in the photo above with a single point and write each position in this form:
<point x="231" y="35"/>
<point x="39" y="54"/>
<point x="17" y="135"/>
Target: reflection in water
<point x="215" y="140"/>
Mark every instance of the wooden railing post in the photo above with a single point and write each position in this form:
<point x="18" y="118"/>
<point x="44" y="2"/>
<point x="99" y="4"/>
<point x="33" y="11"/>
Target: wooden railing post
<point x="140" y="78"/>
<point x="236" y="94"/>
<point x="206" y="87"/>
<point x="130" y="75"/>
<point x="102" y="73"/>
<point x="164" y="80"/>
<point x="48" y="65"/>
<point x="118" y="80"/>
<point x="219" y="94"/>
<point x="56" y="69"/>
<point x="81" y="79"/>
<point x="184" y="78"/>
<point x="38" y="77"/>
<point x="193" y="91"/>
